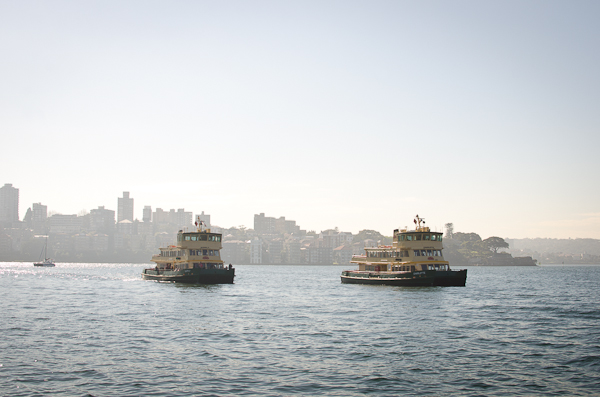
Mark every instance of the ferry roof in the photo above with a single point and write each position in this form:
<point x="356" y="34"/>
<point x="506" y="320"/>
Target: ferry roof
<point x="403" y="231"/>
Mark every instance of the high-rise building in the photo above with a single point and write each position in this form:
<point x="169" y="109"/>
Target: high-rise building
<point x="40" y="213"/>
<point x="147" y="214"/>
<point x="9" y="203"/>
<point x="268" y="225"/>
<point x="125" y="208"/>
<point x="181" y="218"/>
<point x="264" y="224"/>
<point x="102" y="220"/>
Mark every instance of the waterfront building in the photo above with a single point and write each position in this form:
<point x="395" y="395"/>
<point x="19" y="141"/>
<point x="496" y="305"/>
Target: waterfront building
<point x="69" y="224"/>
<point x="342" y="255"/>
<point x="102" y="220"/>
<point x="256" y="250"/>
<point x="82" y="242"/>
<point x="9" y="204"/>
<point x="125" y="208"/>
<point x="334" y="239"/>
<point x="100" y="242"/>
<point x="292" y="250"/>
<point x="234" y="251"/>
<point x="125" y="227"/>
<point x="275" y="250"/>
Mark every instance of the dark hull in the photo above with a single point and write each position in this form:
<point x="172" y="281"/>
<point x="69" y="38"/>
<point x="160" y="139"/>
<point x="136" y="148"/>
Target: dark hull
<point x="429" y="278"/>
<point x="191" y="276"/>
<point x="450" y="278"/>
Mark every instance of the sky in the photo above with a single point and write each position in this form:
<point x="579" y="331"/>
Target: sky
<point x="349" y="114"/>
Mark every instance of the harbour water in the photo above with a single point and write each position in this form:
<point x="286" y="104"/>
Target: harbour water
<point x="99" y="330"/>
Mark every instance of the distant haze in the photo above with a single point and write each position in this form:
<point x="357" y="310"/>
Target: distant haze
<point x="349" y="114"/>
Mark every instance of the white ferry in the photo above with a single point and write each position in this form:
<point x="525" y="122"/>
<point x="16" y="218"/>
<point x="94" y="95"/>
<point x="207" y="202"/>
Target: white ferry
<point x="195" y="259"/>
<point x="414" y="259"/>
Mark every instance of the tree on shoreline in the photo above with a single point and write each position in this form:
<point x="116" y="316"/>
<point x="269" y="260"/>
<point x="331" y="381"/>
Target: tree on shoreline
<point x="495" y="243"/>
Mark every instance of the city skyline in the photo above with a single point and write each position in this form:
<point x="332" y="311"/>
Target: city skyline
<point x="356" y="115"/>
<point x="193" y="214"/>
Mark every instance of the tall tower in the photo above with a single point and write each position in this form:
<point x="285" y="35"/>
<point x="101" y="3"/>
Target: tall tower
<point x="9" y="203"/>
<point x="125" y="208"/>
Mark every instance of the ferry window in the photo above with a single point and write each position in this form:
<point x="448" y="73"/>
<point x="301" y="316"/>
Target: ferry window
<point x="204" y="252"/>
<point x="423" y="253"/>
<point x="429" y="253"/>
<point x="187" y="238"/>
<point x="426" y="237"/>
<point x="418" y="237"/>
<point x="417" y="253"/>
<point x="409" y="238"/>
<point x="202" y="237"/>
<point x="210" y="252"/>
<point x="216" y="253"/>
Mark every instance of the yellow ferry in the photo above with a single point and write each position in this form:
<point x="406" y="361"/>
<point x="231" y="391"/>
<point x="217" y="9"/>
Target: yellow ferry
<point x="195" y="259"/>
<point x="414" y="259"/>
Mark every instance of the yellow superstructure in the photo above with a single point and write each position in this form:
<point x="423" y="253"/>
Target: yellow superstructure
<point x="194" y="250"/>
<point x="411" y="250"/>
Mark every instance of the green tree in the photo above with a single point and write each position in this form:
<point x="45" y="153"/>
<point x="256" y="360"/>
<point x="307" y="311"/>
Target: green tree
<point x="466" y="237"/>
<point x="495" y="243"/>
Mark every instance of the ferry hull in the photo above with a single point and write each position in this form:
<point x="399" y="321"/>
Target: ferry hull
<point x="191" y="276"/>
<point x="415" y="279"/>
<point x="420" y="279"/>
<point x="450" y="278"/>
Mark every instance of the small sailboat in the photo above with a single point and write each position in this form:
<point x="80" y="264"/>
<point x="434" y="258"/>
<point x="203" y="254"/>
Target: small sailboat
<point x="47" y="262"/>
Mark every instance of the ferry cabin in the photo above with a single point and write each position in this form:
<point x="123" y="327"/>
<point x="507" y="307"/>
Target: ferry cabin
<point x="194" y="250"/>
<point x="411" y="251"/>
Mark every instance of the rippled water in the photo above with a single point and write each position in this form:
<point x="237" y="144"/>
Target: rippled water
<point x="98" y="329"/>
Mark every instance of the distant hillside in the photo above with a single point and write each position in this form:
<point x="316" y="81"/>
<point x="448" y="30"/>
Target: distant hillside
<point x="576" y="246"/>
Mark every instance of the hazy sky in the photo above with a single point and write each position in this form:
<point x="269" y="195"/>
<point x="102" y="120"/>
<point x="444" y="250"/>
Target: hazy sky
<point x="355" y="114"/>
